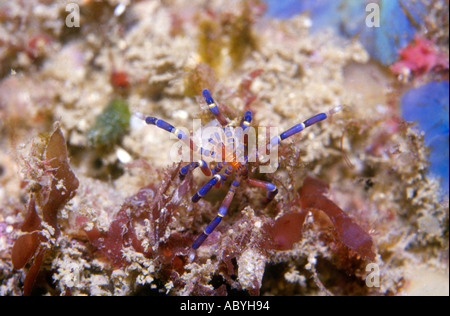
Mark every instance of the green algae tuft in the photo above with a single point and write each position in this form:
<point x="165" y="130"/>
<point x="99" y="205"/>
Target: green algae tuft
<point x="110" y="125"/>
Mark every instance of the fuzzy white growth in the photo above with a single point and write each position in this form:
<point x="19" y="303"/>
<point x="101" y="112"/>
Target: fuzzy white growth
<point x="139" y="115"/>
<point x="251" y="268"/>
<point x="335" y="110"/>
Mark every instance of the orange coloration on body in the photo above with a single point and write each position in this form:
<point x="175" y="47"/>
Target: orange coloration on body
<point x="235" y="164"/>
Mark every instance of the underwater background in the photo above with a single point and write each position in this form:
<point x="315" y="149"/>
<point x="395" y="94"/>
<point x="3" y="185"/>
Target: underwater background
<point x="91" y="202"/>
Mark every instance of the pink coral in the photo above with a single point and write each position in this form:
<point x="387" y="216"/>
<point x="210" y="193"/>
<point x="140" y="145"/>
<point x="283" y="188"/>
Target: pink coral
<point x="420" y="57"/>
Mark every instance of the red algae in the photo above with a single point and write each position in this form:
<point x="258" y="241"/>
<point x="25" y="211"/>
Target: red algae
<point x="121" y="232"/>
<point x="64" y="183"/>
<point x="156" y="205"/>
<point x="287" y="230"/>
<point x="51" y="198"/>
<point x="312" y="197"/>
<point x="26" y="245"/>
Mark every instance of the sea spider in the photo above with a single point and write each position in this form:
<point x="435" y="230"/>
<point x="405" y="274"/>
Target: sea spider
<point x="229" y="151"/>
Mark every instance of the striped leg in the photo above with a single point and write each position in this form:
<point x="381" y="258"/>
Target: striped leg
<point x="166" y="126"/>
<point x="205" y="189"/>
<point x="192" y="166"/>
<point x="180" y="134"/>
<point x="217" y="142"/>
<point x="271" y="188"/>
<point x="218" y="145"/>
<point x="222" y="212"/>
<point x="213" y="108"/>
<point x="300" y="127"/>
<point x="225" y="176"/>
<point x="218" y="167"/>
<point x="242" y="134"/>
<point x="247" y="120"/>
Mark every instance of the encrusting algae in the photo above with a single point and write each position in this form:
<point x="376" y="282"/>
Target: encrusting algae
<point x="354" y="193"/>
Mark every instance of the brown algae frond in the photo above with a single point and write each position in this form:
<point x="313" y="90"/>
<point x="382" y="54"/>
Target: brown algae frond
<point x="228" y="33"/>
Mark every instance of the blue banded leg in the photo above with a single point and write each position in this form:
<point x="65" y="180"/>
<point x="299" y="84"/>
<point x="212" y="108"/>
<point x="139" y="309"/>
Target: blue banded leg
<point x="227" y="172"/>
<point x="205" y="189"/>
<point x="222" y="212"/>
<point x="218" y="152"/>
<point x="187" y="140"/>
<point x="217" y="142"/>
<point x="241" y="134"/>
<point x="204" y="152"/>
<point x="247" y="120"/>
<point x="214" y="108"/>
<point x="300" y="127"/>
<point x="166" y="126"/>
<point x="181" y="135"/>
<point x="225" y="176"/>
<point x="296" y="129"/>
<point x="192" y="166"/>
<point x="184" y="171"/>
<point x="271" y="188"/>
<point x="218" y="167"/>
